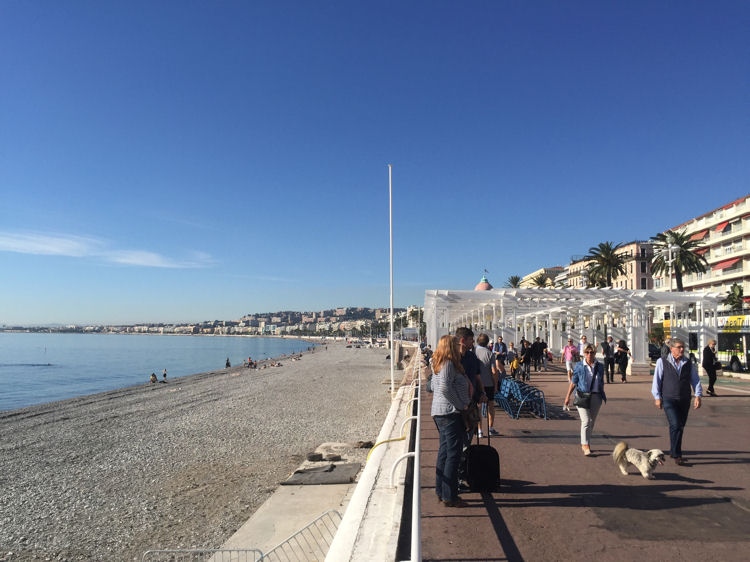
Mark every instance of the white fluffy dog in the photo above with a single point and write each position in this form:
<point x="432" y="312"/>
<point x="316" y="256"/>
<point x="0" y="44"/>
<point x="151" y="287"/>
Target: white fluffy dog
<point x="645" y="461"/>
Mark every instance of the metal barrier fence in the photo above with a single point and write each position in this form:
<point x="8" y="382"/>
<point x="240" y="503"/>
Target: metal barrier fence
<point x="309" y="544"/>
<point x="203" y="555"/>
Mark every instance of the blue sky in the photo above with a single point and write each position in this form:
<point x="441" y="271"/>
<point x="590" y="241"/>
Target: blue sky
<point x="182" y="161"/>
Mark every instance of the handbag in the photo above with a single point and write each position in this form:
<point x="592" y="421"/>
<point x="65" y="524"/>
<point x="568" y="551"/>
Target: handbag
<point x="471" y="416"/>
<point x="583" y="399"/>
<point x="717" y="365"/>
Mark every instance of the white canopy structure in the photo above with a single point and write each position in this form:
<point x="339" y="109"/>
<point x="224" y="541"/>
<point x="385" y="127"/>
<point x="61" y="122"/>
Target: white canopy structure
<point x="559" y="314"/>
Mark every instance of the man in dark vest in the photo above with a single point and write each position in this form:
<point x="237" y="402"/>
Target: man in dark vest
<point x="674" y="376"/>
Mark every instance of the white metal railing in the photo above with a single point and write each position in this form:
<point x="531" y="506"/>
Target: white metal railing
<point x="416" y="496"/>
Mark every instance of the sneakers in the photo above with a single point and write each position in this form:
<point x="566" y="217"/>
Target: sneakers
<point x="493" y="431"/>
<point x="586" y="450"/>
<point x="481" y="434"/>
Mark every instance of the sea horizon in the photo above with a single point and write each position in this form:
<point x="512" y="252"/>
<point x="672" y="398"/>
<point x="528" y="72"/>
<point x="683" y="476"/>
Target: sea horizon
<point x="36" y="368"/>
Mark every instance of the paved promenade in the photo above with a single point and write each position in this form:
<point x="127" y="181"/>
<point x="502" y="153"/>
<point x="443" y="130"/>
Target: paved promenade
<point x="556" y="504"/>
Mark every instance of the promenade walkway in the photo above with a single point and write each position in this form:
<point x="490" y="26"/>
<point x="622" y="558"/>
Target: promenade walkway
<point x="556" y="504"/>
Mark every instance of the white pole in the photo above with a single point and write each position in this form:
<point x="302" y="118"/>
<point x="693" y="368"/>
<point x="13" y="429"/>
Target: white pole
<point x="390" y="220"/>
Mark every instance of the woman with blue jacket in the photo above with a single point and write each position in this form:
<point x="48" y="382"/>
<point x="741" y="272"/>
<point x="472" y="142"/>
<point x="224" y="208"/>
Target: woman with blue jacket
<point x="588" y="376"/>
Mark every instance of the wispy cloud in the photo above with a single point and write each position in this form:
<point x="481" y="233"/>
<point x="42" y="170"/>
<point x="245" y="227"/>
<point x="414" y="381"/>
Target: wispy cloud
<point x="48" y="244"/>
<point x="86" y="247"/>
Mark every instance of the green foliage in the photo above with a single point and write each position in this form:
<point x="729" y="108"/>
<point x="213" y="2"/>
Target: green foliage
<point x="605" y="265"/>
<point x="734" y="298"/>
<point x="684" y="256"/>
<point x="513" y="282"/>
<point x="541" y="280"/>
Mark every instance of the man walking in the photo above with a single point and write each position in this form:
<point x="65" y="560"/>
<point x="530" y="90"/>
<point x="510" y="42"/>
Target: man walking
<point x="674" y="376"/>
<point x="608" y="350"/>
<point x="488" y="376"/>
<point x="501" y="355"/>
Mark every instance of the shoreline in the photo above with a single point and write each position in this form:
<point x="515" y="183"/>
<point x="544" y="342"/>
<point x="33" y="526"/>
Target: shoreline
<point x="182" y="465"/>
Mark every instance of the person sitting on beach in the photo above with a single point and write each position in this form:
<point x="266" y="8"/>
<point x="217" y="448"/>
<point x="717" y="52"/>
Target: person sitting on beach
<point x="228" y="364"/>
<point x="153" y="378"/>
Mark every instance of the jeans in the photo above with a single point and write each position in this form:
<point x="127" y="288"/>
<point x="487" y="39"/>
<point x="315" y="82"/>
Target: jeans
<point x="588" y="418"/>
<point x="452" y="435"/>
<point x="677" y="413"/>
<point x="609" y="368"/>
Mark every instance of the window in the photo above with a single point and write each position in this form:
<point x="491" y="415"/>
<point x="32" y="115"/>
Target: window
<point x="643" y="267"/>
<point x="726" y="248"/>
<point x="737" y="246"/>
<point x="643" y="283"/>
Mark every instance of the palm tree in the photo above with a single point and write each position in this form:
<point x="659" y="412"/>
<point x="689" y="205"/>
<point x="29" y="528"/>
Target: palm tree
<point x="682" y="251"/>
<point x="541" y="280"/>
<point x="513" y="282"/>
<point x="605" y="264"/>
<point x="734" y="299"/>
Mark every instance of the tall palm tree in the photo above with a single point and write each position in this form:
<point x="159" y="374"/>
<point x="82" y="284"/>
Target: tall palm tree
<point x="682" y="250"/>
<point x="513" y="282"/>
<point x="734" y="299"/>
<point x="541" y="280"/>
<point x="606" y="263"/>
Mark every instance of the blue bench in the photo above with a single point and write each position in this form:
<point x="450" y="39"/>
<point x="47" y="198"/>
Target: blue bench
<point x="513" y="396"/>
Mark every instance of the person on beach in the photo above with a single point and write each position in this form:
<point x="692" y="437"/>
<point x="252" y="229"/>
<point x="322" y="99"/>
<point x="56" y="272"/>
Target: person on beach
<point x="164" y="375"/>
<point x="570" y="355"/>
<point x="451" y="395"/>
<point x="588" y="377"/>
<point x="488" y="376"/>
<point x="228" y="364"/>
<point x="153" y="378"/>
<point x="673" y="379"/>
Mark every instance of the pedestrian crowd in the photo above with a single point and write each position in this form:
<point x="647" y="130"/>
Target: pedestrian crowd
<point x="467" y="373"/>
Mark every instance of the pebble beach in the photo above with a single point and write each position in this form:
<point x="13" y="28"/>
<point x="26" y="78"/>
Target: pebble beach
<point x="177" y="465"/>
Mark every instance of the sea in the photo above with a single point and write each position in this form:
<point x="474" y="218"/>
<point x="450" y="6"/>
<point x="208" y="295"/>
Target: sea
<point x="36" y="368"/>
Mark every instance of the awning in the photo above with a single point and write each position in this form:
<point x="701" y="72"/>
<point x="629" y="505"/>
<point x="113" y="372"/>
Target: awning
<point x="699" y="235"/>
<point x="725" y="264"/>
<point x="722" y="226"/>
<point x="701" y="251"/>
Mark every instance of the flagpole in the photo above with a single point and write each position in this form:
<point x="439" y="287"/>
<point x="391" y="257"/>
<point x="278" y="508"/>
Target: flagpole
<point x="390" y="221"/>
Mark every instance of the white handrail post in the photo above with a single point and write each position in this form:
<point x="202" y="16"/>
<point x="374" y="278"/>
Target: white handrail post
<point x="416" y="496"/>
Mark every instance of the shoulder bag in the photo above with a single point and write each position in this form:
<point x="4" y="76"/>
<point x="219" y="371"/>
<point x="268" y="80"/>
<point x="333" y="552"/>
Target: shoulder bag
<point x="583" y="399"/>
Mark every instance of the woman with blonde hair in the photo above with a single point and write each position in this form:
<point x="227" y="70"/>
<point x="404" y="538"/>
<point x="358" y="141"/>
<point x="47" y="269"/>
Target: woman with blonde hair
<point x="450" y="398"/>
<point x="588" y="382"/>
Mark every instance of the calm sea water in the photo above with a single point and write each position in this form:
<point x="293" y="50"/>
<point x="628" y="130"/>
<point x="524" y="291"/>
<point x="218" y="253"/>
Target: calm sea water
<point x="38" y="368"/>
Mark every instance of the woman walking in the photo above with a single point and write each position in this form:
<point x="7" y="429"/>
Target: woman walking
<point x="450" y="399"/>
<point x="588" y="379"/>
<point x="709" y="364"/>
<point x="621" y="358"/>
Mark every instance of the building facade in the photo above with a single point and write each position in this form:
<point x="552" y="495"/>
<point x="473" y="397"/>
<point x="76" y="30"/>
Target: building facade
<point x="725" y="236"/>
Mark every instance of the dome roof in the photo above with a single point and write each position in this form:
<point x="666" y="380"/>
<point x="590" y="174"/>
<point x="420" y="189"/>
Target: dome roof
<point x="483" y="285"/>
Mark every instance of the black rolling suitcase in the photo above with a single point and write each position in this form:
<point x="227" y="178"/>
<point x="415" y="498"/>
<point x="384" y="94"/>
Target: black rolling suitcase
<point x="482" y="469"/>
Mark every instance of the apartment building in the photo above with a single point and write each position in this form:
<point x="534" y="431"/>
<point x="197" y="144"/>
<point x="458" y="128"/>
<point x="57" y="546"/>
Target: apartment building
<point x="527" y="281"/>
<point x="637" y="254"/>
<point x="725" y="236"/>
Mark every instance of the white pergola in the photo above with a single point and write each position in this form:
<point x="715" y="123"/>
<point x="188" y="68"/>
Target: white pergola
<point x="558" y="314"/>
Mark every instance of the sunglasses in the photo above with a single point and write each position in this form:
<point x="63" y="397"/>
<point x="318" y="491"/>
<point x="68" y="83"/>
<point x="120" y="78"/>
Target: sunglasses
<point x="589" y="353"/>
